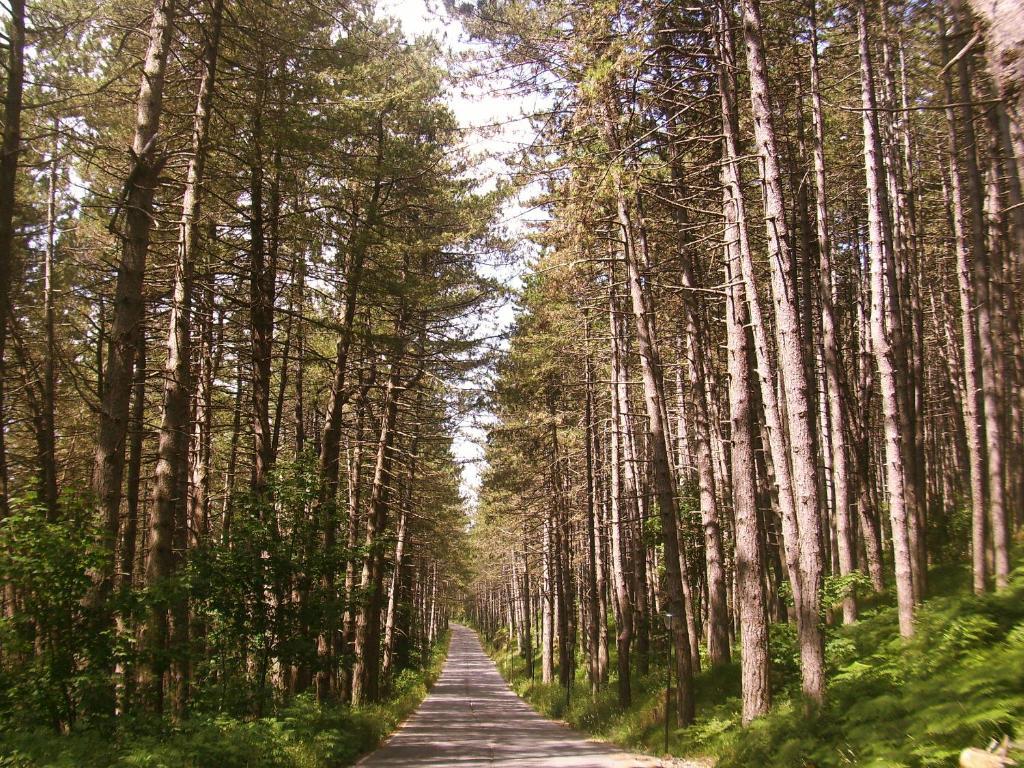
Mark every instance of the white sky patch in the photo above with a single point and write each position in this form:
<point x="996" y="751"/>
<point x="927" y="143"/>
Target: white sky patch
<point x="496" y="128"/>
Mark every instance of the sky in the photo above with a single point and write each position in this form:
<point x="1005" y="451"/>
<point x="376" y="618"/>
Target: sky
<point x="475" y="107"/>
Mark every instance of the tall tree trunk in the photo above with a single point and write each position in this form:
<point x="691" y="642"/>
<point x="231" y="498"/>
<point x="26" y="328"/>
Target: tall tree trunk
<point x="355" y="486"/>
<point x="139" y="191"/>
<point x="600" y="555"/>
<point x="563" y="600"/>
<point x="795" y="480"/>
<point x="883" y="294"/>
<point x="867" y="511"/>
<point x="387" y="664"/>
<point x="170" y="486"/>
<point x="972" y="417"/>
<point x="897" y="162"/>
<point x="262" y="282"/>
<point x="9" y="153"/>
<point x="991" y="410"/>
<point x="400" y="545"/>
<point x="714" y="552"/>
<point x="792" y="371"/>
<point x="211" y="336"/>
<point x="653" y="385"/>
<point x="776" y="435"/>
<point x="298" y="406"/>
<point x="330" y="446"/>
<point x="697" y="370"/>
<point x="833" y="369"/>
<point x="548" y="606"/>
<point x="48" y="454"/>
<point x="622" y="497"/>
<point x="231" y="471"/>
<point x="593" y="514"/>
<point x="136" y="439"/>
<point x="366" y="670"/>
<point x="756" y="685"/>
<point x="633" y="504"/>
<point x="129" y="554"/>
<point x="527" y="623"/>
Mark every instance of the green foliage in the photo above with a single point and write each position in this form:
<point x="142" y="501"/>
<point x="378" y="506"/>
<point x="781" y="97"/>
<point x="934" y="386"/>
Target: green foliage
<point x="783" y="653"/>
<point x="302" y="734"/>
<point x="54" y="657"/>
<point x="48" y="638"/>
<point x="949" y="533"/>
<point x="958" y="683"/>
<point x="229" y="581"/>
<point x="838" y="588"/>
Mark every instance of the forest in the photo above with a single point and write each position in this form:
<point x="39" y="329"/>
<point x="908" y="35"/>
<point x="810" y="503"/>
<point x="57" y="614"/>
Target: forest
<point x="765" y="375"/>
<point x="752" y="429"/>
<point x="237" y="241"/>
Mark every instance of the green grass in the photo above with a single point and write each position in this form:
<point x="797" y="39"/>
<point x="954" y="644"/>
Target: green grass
<point x="302" y="734"/>
<point x="891" y="703"/>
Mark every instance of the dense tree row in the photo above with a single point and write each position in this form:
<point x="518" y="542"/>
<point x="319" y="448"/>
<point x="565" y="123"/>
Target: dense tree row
<point x="237" y="245"/>
<point x="768" y="364"/>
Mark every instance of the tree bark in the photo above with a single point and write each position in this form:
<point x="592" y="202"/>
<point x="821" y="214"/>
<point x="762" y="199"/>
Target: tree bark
<point x="991" y="406"/>
<point x="389" y="621"/>
<point x="620" y="498"/>
<point x="137" y="434"/>
<point x="9" y="154"/>
<point x="229" y="474"/>
<point x="365" y="671"/>
<point x="592" y="515"/>
<point x="882" y="328"/>
<point x="792" y="370"/>
<point x="330" y="445"/>
<point x="328" y="655"/>
<point x="140" y="188"/>
<point x="754" y="667"/>
<point x="970" y="402"/>
<point x="653" y="385"/>
<point x="262" y="284"/>
<point x="170" y="486"/>
<point x="1003" y="22"/>
<point x="48" y="454"/>
<point x="547" y="667"/>
<point x="832" y="363"/>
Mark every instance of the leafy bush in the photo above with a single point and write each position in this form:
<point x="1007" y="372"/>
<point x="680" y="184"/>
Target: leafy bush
<point x="302" y="734"/>
<point x="49" y="638"/>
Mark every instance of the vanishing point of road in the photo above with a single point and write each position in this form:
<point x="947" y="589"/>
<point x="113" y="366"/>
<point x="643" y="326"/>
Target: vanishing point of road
<point x="472" y="719"/>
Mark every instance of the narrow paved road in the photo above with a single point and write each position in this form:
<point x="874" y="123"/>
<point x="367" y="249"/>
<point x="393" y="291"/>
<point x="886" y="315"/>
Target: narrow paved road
<point x="471" y="718"/>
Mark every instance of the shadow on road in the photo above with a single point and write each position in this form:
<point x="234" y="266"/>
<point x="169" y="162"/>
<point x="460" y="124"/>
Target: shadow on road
<point x="472" y="718"/>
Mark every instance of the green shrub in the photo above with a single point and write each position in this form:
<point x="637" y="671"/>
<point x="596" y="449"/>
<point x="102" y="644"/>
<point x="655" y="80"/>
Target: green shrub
<point x="302" y="734"/>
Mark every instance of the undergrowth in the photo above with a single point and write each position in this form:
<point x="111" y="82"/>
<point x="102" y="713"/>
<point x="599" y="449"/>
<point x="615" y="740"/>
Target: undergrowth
<point x="301" y="734"/>
<point x="891" y="703"/>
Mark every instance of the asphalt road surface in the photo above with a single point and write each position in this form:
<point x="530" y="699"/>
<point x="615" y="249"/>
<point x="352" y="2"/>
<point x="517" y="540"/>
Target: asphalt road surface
<point x="471" y="718"/>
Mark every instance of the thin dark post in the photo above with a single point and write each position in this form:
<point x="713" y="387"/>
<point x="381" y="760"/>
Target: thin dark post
<point x="568" y="685"/>
<point x="669" y="624"/>
<point x="668" y="691"/>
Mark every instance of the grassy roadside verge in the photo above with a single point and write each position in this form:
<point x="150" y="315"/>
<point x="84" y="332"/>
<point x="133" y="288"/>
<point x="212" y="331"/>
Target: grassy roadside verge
<point x="301" y="734"/>
<point x="958" y="683"/>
